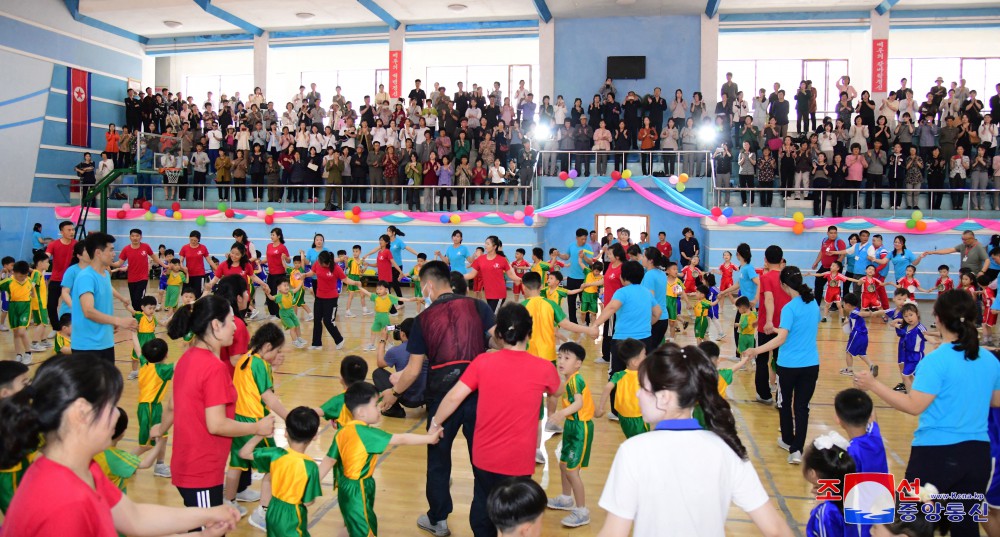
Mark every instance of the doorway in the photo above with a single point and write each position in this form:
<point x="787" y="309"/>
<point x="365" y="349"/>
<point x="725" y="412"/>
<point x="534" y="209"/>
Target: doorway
<point x="634" y="223"/>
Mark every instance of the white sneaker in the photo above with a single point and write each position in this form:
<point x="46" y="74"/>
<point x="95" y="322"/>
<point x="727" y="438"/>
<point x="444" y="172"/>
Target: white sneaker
<point x="315" y="347"/>
<point x="539" y="456"/>
<point x="553" y="428"/>
<point x="254" y="314"/>
<point x="601" y="360"/>
<point x="366" y="311"/>
<point x="51" y="335"/>
<point x="299" y="343"/>
<point x="256" y="476"/>
<point x="309" y="317"/>
<point x="258" y="518"/>
<point x="612" y="416"/>
<point x="133" y="375"/>
<point x="4" y="328"/>
<point x="783" y="445"/>
<point x="561" y="502"/>
<point x="248" y="495"/>
<point x="238" y="507"/>
<point x="847" y="372"/>
<point x="37" y="347"/>
<point x="46" y="343"/>
<point x="795" y="458"/>
<point x="350" y="314"/>
<point x="440" y="529"/>
<point x="161" y="469"/>
<point x="341" y="344"/>
<point x="19" y="359"/>
<point x="580" y="516"/>
<point x="368" y="347"/>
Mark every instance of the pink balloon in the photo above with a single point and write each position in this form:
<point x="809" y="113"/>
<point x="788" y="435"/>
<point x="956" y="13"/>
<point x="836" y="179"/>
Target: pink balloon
<point x="722" y="220"/>
<point x="519" y="215"/>
<point x="674" y="179"/>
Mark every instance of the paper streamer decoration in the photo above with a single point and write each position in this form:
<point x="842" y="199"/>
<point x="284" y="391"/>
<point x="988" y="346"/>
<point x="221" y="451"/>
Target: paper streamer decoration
<point x="660" y="202"/>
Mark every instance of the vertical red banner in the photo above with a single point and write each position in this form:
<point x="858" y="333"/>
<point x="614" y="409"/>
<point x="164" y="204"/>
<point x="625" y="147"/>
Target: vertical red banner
<point x="78" y="108"/>
<point x="395" y="74"/>
<point x="880" y="65"/>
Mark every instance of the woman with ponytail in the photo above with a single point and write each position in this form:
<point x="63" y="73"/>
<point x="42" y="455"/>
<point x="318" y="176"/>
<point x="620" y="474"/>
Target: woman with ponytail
<point x="678" y="475"/>
<point x="798" y="361"/>
<point x="235" y="291"/>
<point x="71" y="408"/>
<point x="205" y="402"/>
<point x="953" y="389"/>
<point x="509" y="384"/>
<point x="655" y="280"/>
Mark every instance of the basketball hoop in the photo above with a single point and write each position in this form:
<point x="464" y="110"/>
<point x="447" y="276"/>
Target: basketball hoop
<point x="172" y="174"/>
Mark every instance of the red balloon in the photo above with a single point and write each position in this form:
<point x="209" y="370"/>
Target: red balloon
<point x="230" y="213"/>
<point x="175" y="206"/>
<point x="616" y="175"/>
<point x="529" y="210"/>
<point x="716" y="212"/>
<point x="356" y="209"/>
<point x="146" y="205"/>
<point x="563" y="176"/>
<point x="269" y="219"/>
<point x="121" y="214"/>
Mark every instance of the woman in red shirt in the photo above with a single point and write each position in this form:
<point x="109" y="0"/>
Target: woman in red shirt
<point x="204" y="403"/>
<point x="327" y="272"/>
<point x="72" y="403"/>
<point x="384" y="262"/>
<point x="193" y="257"/>
<point x="236" y="264"/>
<point x="277" y="259"/>
<point x="493" y="266"/>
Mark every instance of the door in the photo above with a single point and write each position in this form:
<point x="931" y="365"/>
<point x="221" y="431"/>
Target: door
<point x="517" y="73"/>
<point x="634" y="223"/>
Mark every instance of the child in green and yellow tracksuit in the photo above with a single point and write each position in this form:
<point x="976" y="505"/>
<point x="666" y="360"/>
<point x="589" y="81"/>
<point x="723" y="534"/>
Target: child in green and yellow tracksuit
<point x="146" y="331"/>
<point x="626" y="404"/>
<point x="21" y="292"/>
<point x="14" y="377"/>
<point x="747" y="327"/>
<point x="298" y="287"/>
<point x="702" y="307"/>
<point x="154" y="381"/>
<point x="414" y="275"/>
<point x="176" y="278"/>
<point x="383" y="302"/>
<point x="353" y="369"/>
<point x="355" y="269"/>
<point x="578" y="436"/>
<point x="285" y="300"/>
<point x="593" y="280"/>
<point x="354" y="455"/>
<point x="39" y="311"/>
<point x="295" y="482"/>
<point x="62" y="343"/>
<point x="120" y="465"/>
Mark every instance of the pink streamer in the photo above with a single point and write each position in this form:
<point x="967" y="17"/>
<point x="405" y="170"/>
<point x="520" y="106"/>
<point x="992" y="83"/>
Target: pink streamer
<point x="563" y="210"/>
<point x="660" y="202"/>
<point x="73" y="213"/>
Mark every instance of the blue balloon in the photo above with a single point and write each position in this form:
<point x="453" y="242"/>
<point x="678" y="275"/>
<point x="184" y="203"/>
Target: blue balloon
<point x="445" y="219"/>
<point x="528" y="221"/>
<point x="169" y="213"/>
<point x="153" y="209"/>
<point x="727" y="212"/>
<point x="622" y="183"/>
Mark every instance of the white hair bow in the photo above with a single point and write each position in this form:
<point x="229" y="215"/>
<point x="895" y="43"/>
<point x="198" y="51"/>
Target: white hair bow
<point x="830" y="439"/>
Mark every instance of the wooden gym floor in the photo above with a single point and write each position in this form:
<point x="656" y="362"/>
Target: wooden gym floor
<point x="311" y="377"/>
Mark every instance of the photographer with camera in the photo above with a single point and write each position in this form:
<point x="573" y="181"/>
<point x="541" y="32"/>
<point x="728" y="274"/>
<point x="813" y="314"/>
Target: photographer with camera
<point x="397" y="358"/>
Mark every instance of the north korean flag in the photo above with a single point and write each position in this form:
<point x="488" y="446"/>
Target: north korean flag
<point x="78" y="108"/>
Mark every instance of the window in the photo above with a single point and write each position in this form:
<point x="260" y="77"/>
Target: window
<point x="752" y="75"/>
<point x="635" y="224"/>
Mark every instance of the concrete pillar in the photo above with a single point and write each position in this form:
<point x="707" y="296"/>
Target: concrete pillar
<point x="546" y="78"/>
<point x="260" y="52"/>
<point x="162" y="74"/>
<point x="709" y="85"/>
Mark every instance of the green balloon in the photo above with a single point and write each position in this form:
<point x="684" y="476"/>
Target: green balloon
<point x="148" y="216"/>
<point x="917" y="215"/>
<point x="910" y="224"/>
<point x="221" y="206"/>
<point x="200" y="220"/>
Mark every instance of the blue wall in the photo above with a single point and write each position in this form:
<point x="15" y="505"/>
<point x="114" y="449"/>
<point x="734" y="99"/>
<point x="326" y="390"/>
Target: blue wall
<point x="671" y="45"/>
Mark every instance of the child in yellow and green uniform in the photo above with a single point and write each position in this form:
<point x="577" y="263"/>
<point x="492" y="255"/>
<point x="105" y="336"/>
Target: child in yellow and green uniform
<point x="176" y="278"/>
<point x="538" y="266"/>
<point x="383" y="302"/>
<point x="578" y="435"/>
<point x="295" y="482"/>
<point x="297" y="284"/>
<point x="39" y="311"/>
<point x="21" y="292"/>
<point x="120" y="465"/>
<point x="354" y="455"/>
<point x="747" y="326"/>
<point x="414" y="275"/>
<point x="675" y="294"/>
<point x="154" y="381"/>
<point x="702" y="307"/>
<point x="593" y="280"/>
<point x="285" y="299"/>
<point x="146" y="331"/>
<point x="711" y="350"/>
<point x="13" y="378"/>
<point x="62" y="342"/>
<point x="626" y="403"/>
<point x="353" y="369"/>
<point x="355" y="268"/>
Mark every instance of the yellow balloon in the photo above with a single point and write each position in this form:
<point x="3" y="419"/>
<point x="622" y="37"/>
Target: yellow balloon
<point x="177" y="215"/>
<point x="798" y="217"/>
<point x="348" y="215"/>
<point x="455" y="219"/>
<point x="627" y="174"/>
<point x="683" y="177"/>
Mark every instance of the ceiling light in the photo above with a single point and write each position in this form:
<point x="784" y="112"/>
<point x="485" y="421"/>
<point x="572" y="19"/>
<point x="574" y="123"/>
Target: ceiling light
<point x="305" y="16"/>
<point x="172" y="24"/>
<point x="458" y="7"/>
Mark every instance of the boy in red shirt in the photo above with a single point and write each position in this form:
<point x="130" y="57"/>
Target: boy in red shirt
<point x="521" y="267"/>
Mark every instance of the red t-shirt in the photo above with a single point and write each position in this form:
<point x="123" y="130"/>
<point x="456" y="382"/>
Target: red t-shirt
<point x="826" y="258"/>
<point x="383" y="264"/>
<point x="492" y="271"/>
<point x="665" y="248"/>
<point x="771" y="281"/>
<point x="52" y="500"/>
<point x="240" y="346"/>
<point x="510" y="385"/>
<point x="137" y="260"/>
<point x="726" y="271"/>
<point x="225" y="269"/>
<point x="612" y="282"/>
<point x="201" y="381"/>
<point x="691" y="276"/>
<point x="275" y="263"/>
<point x="61" y="254"/>
<point x="194" y="259"/>
<point x="326" y="279"/>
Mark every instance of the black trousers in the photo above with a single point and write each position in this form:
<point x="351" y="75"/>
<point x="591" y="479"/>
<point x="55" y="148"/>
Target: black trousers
<point x="272" y="284"/>
<point x="196" y="283"/>
<point x="956" y="183"/>
<point x="204" y="498"/>
<point x="325" y="311"/>
<point x="606" y="343"/>
<point x="55" y="291"/>
<point x="484" y="483"/>
<point x="896" y="198"/>
<point x="873" y="182"/>
<point x="746" y="181"/>
<point x="438" y="488"/>
<point x="394" y="286"/>
<point x="657" y="333"/>
<point x="935" y="183"/>
<point x="572" y="284"/>
<point x="761" y="376"/>
<point x="795" y="389"/>
<point x="380" y="378"/>
<point x="107" y="355"/>
<point x="136" y="291"/>
<point x="962" y="468"/>
<point x="495" y="303"/>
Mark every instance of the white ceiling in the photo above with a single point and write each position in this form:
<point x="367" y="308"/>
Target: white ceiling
<point x="146" y="17"/>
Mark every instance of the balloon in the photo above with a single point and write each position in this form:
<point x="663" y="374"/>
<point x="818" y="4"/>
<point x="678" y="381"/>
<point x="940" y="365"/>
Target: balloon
<point x="798" y="217"/>
<point x="169" y="213"/>
<point x="356" y="210"/>
<point x="126" y="206"/>
<point x="921" y="225"/>
<point x="146" y="205"/>
<point x="622" y="183"/>
<point x="175" y="206"/>
<point x="148" y="216"/>
<point x="716" y="212"/>
<point x="348" y="215"/>
<point x="444" y="219"/>
<point x="121" y="214"/>
<point x="798" y="228"/>
<point x="221" y="206"/>
<point x="910" y="224"/>
<point x="178" y="215"/>
<point x="518" y="215"/>
<point x="627" y="174"/>
<point x="674" y="179"/>
<point x="680" y="187"/>
<point x="230" y="213"/>
<point x="727" y="212"/>
<point x="722" y="220"/>
<point x="616" y="175"/>
<point x="563" y="176"/>
<point x="529" y="210"/>
<point x="260" y="213"/>
<point x="917" y="215"/>
<point x="153" y="209"/>
<point x="573" y="174"/>
<point x="355" y="218"/>
<point x="683" y="177"/>
<point x="269" y="219"/>
<point x="809" y="224"/>
<point x="528" y="221"/>
<point x="569" y="183"/>
<point x="200" y="220"/>
<point x="269" y="210"/>
<point x="455" y="219"/>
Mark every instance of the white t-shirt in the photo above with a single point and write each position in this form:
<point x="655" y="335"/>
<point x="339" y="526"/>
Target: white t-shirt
<point x="682" y="480"/>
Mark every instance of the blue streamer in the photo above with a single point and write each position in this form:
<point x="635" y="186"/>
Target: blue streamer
<point x="311" y="217"/>
<point x="493" y="220"/>
<point x="679" y="199"/>
<point x="572" y="196"/>
<point x="393" y="219"/>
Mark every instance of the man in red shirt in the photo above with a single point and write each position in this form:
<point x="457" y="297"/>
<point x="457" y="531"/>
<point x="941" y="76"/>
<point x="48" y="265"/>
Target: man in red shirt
<point x="664" y="247"/>
<point x="61" y="252"/>
<point x="772" y="300"/>
<point x="193" y="257"/>
<point x="826" y="256"/>
<point x="137" y="256"/>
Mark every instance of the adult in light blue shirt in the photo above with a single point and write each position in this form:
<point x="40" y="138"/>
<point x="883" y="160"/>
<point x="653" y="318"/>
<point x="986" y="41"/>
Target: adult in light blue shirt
<point x="456" y="254"/>
<point x="747" y="279"/>
<point x="89" y="335"/>
<point x="396" y="246"/>
<point x="953" y="390"/>
<point x="38" y="242"/>
<point x="798" y="362"/>
<point x="574" y="273"/>
<point x="655" y="281"/>
<point x="318" y="245"/>
<point x="859" y="253"/>
<point x="901" y="257"/>
<point x="634" y="308"/>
